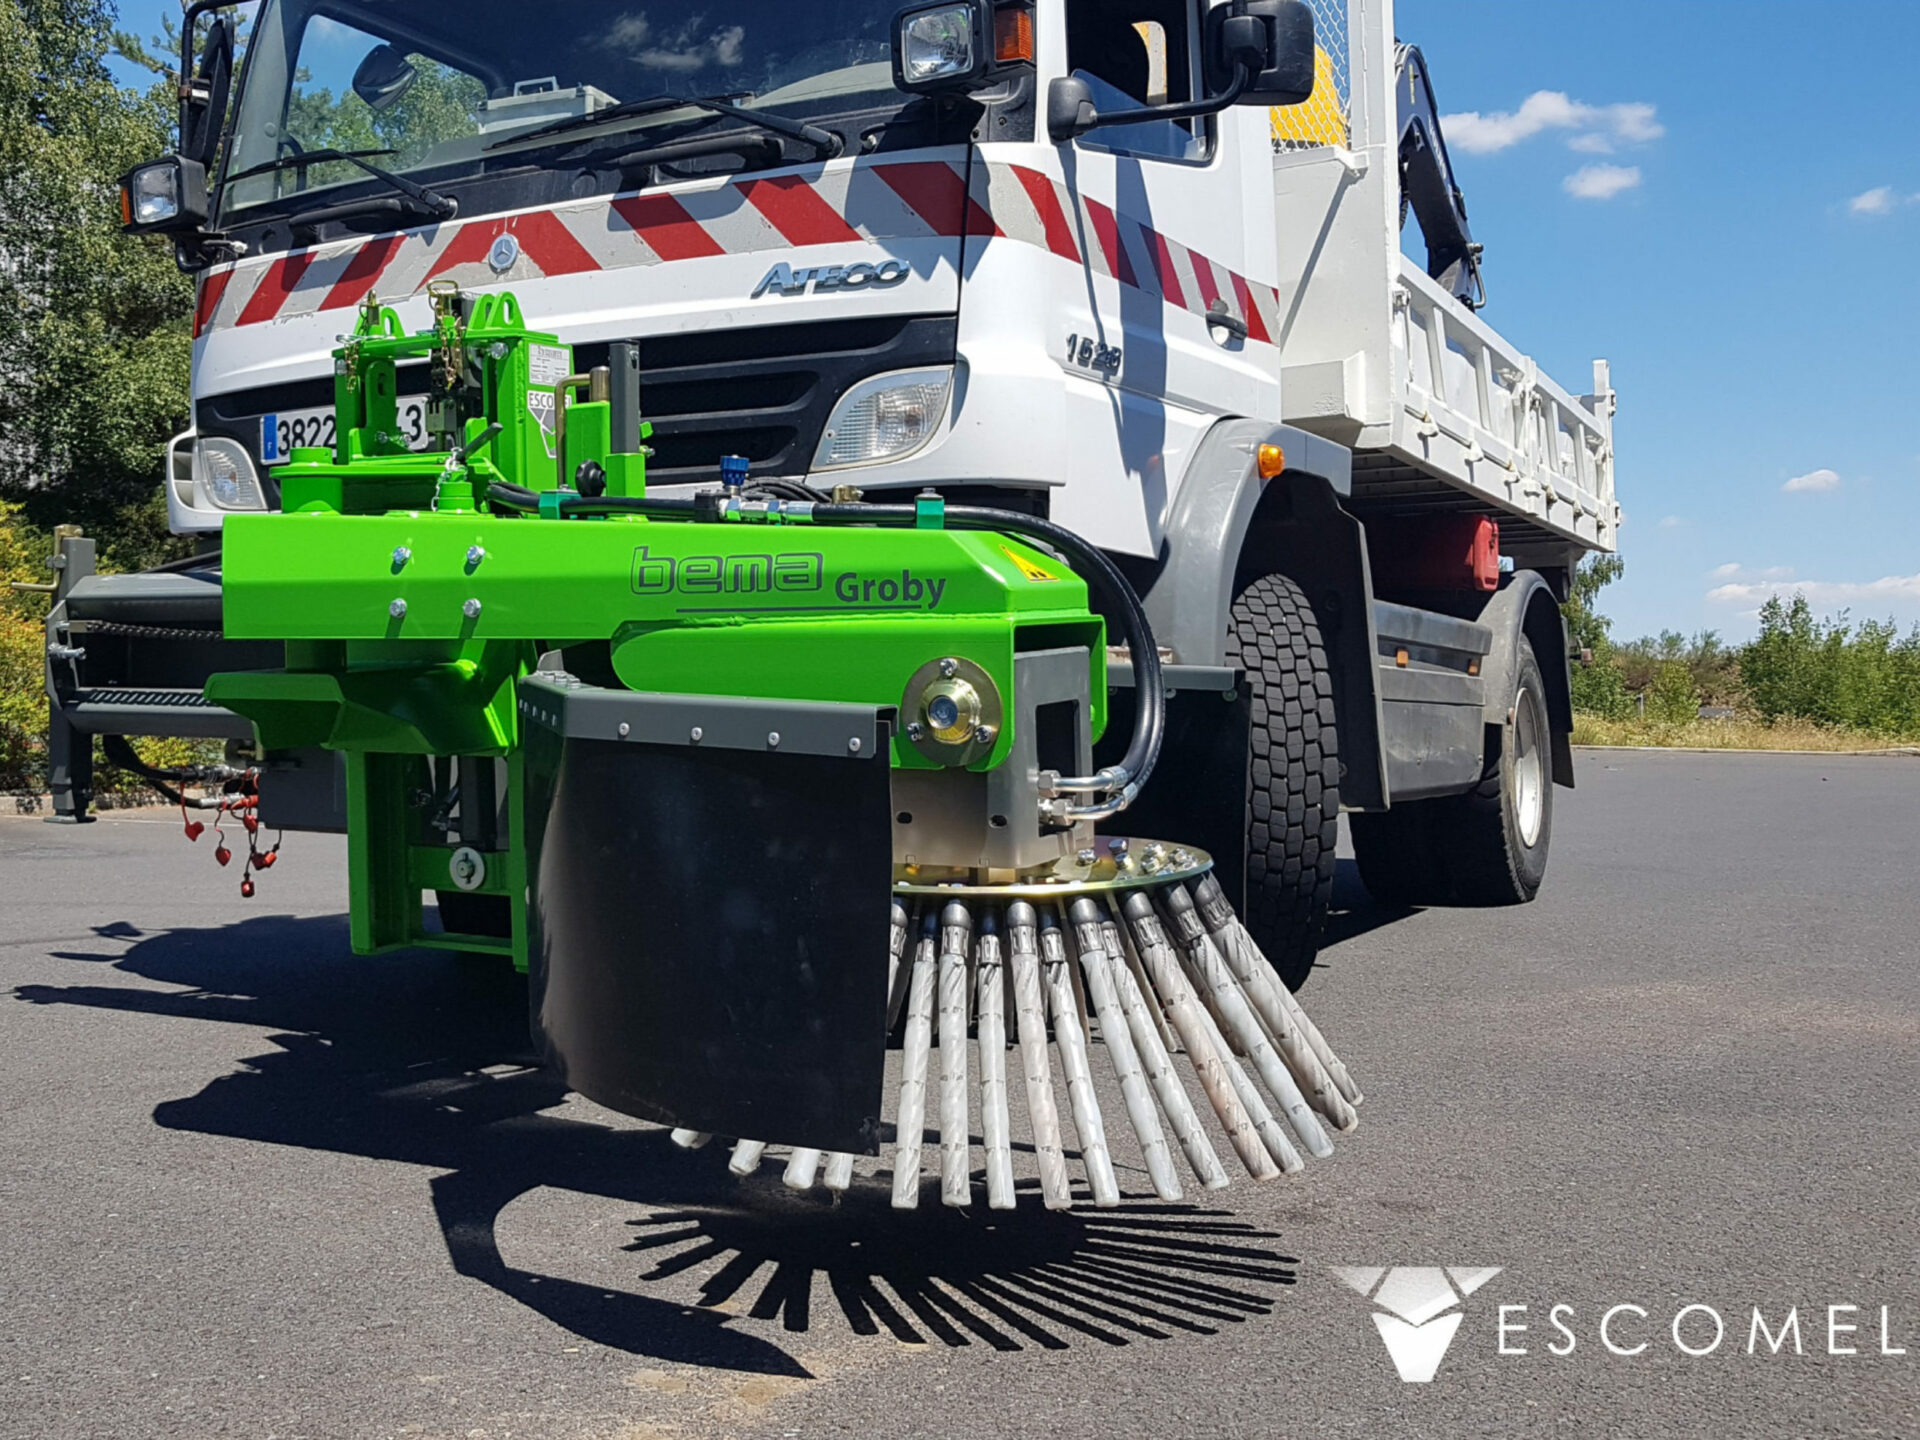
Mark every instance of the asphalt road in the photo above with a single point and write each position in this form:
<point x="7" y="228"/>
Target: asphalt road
<point x="254" y="1186"/>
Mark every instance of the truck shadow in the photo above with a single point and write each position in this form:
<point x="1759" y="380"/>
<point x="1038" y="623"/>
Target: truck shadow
<point x="1352" y="912"/>
<point x="424" y="1059"/>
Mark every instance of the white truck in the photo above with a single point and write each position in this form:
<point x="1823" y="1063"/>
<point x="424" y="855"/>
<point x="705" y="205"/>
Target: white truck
<point x="1134" y="265"/>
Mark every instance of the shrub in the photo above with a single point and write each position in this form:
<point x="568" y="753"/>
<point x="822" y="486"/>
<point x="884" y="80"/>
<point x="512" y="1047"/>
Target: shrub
<point x="1827" y="672"/>
<point x="1674" y="699"/>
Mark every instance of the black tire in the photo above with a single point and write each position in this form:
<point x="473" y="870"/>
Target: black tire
<point x="1496" y="851"/>
<point x="1485" y="847"/>
<point x="1293" y="780"/>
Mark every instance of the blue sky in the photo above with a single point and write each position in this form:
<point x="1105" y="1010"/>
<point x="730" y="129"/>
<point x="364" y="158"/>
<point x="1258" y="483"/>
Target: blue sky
<point x="1724" y="200"/>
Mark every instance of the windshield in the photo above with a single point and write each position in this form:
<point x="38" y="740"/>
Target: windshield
<point x="442" y="87"/>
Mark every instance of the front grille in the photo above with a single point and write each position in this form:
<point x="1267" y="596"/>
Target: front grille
<point x="763" y="391"/>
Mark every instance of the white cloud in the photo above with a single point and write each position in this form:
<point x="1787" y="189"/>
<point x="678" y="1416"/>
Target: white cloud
<point x="1600" y="182"/>
<point x="1727" y="571"/>
<point x="1597" y="128"/>
<point x="1672" y="522"/>
<point x="1735" y="570"/>
<point x="1880" y="200"/>
<point x="1821" y="479"/>
<point x="1871" y="597"/>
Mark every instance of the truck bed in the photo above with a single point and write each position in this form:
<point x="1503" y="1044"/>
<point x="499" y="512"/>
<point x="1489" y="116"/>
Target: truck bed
<point x="1442" y="411"/>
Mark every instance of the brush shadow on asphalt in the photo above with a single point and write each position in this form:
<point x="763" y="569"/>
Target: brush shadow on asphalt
<point x="425" y="1059"/>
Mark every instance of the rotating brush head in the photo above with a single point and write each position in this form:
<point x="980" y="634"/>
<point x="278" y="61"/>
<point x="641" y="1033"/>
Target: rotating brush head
<point x="1142" y="959"/>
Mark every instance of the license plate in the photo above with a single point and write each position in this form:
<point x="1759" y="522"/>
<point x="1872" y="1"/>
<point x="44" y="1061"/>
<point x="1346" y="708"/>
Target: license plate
<point x="283" y="432"/>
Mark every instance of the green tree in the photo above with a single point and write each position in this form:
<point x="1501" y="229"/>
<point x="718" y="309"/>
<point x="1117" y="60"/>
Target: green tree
<point x="1829" y="672"/>
<point x="1673" y="699"/>
<point x="1781" y="667"/>
<point x="94" y="326"/>
<point x="1598" y="688"/>
<point x="23" y="651"/>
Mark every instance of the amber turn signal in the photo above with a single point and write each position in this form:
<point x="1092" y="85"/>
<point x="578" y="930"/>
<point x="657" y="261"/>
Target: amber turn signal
<point x="1270" y="460"/>
<point x="1012" y="34"/>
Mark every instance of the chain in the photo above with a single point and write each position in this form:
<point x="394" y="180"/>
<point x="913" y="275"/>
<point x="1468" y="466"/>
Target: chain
<point x="144" y="632"/>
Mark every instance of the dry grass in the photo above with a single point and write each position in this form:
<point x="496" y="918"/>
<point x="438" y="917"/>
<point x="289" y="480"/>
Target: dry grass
<point x="1739" y="733"/>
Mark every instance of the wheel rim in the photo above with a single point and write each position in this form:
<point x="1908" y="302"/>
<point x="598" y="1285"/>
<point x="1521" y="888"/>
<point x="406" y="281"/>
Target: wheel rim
<point x="1529" y="768"/>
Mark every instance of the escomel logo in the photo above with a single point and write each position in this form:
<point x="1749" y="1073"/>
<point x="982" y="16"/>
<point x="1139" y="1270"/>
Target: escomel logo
<point x="1419" y="1309"/>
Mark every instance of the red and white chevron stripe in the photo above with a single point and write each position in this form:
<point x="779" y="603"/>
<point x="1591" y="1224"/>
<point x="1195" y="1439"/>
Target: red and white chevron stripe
<point x="864" y="202"/>
<point x="1035" y="208"/>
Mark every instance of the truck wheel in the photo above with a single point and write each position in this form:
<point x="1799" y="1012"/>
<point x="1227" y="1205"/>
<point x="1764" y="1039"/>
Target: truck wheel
<point x="1486" y="847"/>
<point x="1293" y="789"/>
<point x="1496" y="845"/>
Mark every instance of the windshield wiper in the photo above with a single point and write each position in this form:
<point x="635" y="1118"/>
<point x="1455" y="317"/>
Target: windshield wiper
<point x="373" y="208"/>
<point x="752" y="149"/>
<point x="428" y="203"/>
<point x="824" y="142"/>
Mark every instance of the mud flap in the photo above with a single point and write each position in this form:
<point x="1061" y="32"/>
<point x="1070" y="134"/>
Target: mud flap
<point x="709" y="915"/>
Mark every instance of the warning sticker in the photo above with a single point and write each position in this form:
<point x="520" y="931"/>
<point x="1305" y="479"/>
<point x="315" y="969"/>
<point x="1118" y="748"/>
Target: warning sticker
<point x="1027" y="567"/>
<point x="547" y="364"/>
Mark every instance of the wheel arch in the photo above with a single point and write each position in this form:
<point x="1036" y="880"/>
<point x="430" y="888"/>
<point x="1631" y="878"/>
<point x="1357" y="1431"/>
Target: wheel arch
<point x="1227" y="525"/>
<point x="1525" y="607"/>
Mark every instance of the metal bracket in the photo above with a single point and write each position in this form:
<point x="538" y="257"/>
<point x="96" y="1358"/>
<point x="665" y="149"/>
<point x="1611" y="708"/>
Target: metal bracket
<point x="578" y="711"/>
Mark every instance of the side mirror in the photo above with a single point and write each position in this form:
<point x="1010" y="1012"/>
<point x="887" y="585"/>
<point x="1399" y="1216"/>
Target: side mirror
<point x="1070" y="108"/>
<point x="1273" y="39"/>
<point x="203" y="99"/>
<point x="959" y="45"/>
<point x="165" y="197"/>
<point x="384" y="78"/>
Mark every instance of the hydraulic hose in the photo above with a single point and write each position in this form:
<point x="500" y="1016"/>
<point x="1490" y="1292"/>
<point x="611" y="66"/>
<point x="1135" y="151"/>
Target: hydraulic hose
<point x="1121" y="782"/>
<point x="120" y="753"/>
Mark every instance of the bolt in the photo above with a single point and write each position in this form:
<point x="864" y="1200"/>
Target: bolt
<point x="983" y="733"/>
<point x="625" y="729"/>
<point x="696" y="734"/>
<point x="475" y="554"/>
<point x="471" y="609"/>
<point x="773" y="739"/>
<point x="1119" y="845"/>
<point x="1087" y="857"/>
<point x="398" y="609"/>
<point x="949" y="668"/>
<point x="401" y="555"/>
<point x="915" y="730"/>
<point x="853" y="745"/>
<point x="1182" y="859"/>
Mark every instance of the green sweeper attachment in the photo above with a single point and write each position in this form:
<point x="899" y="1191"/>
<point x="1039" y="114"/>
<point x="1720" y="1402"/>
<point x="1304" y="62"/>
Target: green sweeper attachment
<point x="756" y="781"/>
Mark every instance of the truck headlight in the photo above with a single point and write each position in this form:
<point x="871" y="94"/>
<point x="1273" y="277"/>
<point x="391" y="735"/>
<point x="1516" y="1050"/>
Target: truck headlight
<point x="223" y="472"/>
<point x="940" y="46"/>
<point x="166" y="197"/>
<point x="886" y="417"/>
<point x="155" y="190"/>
